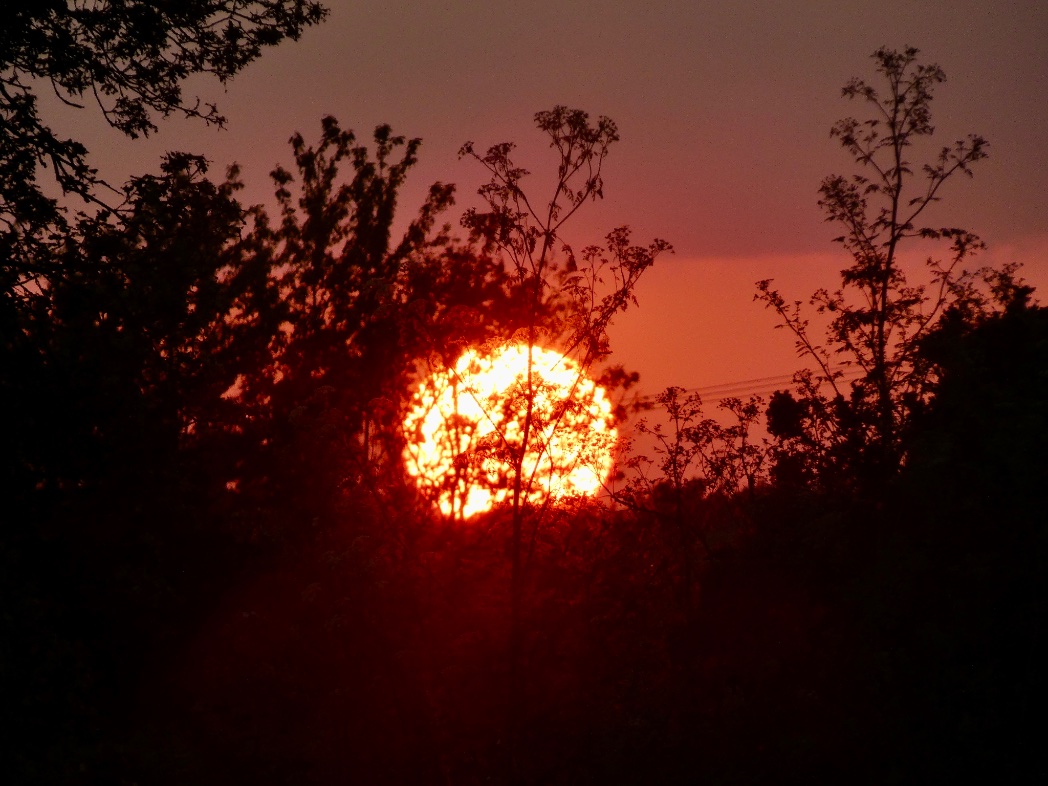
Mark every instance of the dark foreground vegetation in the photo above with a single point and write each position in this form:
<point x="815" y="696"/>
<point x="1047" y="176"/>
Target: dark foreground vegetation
<point x="213" y="570"/>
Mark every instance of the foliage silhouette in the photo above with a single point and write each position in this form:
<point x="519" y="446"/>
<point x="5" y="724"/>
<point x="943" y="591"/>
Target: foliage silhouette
<point x="357" y="311"/>
<point x="130" y="58"/>
<point x="114" y="472"/>
<point x="700" y="463"/>
<point x="877" y="317"/>
<point x="119" y="332"/>
<point x="568" y="303"/>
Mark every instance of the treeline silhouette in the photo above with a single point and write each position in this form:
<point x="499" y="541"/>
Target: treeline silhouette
<point x="213" y="568"/>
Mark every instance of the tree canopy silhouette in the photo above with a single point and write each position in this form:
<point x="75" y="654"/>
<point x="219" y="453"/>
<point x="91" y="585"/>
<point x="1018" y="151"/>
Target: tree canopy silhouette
<point x="877" y="317"/>
<point x="128" y="57"/>
<point x="358" y="309"/>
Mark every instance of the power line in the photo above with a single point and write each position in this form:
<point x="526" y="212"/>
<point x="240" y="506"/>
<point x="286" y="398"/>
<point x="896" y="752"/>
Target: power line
<point x="759" y="381"/>
<point x="758" y="386"/>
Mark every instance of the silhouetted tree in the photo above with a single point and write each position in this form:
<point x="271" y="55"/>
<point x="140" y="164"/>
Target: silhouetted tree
<point x="130" y="58"/>
<point x="567" y="301"/>
<point x="878" y="317"/>
<point x="119" y="334"/>
<point x="152" y="314"/>
<point x="359" y="309"/>
<point x="698" y="462"/>
<point x="114" y="472"/>
<point x="985" y="424"/>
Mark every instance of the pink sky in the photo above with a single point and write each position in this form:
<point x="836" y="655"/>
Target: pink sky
<point x="724" y="111"/>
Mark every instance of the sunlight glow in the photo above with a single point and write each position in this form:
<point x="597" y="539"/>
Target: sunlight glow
<point x="467" y="422"/>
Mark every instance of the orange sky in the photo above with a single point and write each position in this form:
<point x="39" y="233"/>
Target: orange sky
<point x="724" y="111"/>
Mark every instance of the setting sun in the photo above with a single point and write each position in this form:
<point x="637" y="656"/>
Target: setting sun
<point x="467" y="423"/>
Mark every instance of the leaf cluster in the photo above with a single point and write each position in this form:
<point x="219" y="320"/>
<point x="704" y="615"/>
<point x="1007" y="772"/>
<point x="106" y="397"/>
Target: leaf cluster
<point x="130" y="58"/>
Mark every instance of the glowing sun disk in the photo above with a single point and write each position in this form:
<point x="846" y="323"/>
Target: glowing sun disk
<point x="465" y="430"/>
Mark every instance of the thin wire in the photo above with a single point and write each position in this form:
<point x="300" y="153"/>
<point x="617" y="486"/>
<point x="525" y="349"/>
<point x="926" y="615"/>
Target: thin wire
<point x="748" y="387"/>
